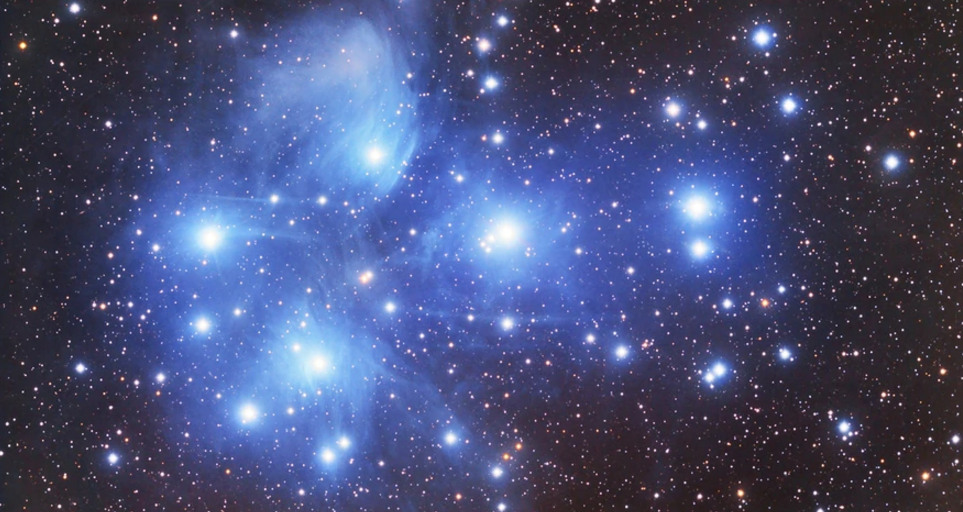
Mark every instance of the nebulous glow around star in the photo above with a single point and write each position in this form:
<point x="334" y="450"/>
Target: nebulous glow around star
<point x="113" y="458"/>
<point x="80" y="368"/>
<point x="451" y="438"/>
<point x="673" y="109"/>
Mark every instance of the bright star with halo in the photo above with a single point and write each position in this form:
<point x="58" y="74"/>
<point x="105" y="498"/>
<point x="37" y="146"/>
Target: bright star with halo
<point x="789" y="105"/>
<point x="891" y="162"/>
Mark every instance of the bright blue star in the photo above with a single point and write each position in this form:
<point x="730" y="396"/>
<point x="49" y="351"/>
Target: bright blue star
<point x="74" y="8"/>
<point x="80" y="368"/>
<point x="451" y="438"/>
<point x="844" y="427"/>
<point x="702" y="124"/>
<point x="762" y="37"/>
<point x="621" y="352"/>
<point x="789" y="105"/>
<point x="673" y="109"/>
<point x="502" y="21"/>
<point x="327" y="456"/>
<point x="727" y="303"/>
<point x="248" y="413"/>
<point x="891" y="162"/>
<point x="210" y="238"/>
<point x="113" y="458"/>
<point x="497" y="472"/>
<point x="697" y="208"/>
<point x="700" y="248"/>
<point x="203" y="325"/>
<point x="491" y="83"/>
<point x="785" y="354"/>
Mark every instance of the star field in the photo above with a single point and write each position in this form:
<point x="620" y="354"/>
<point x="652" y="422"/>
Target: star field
<point x="382" y="256"/>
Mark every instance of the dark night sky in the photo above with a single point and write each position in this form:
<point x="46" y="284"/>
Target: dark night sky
<point x="487" y="256"/>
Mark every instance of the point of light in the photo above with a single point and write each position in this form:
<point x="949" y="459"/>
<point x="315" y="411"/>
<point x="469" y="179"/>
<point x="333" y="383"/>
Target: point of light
<point x="161" y="378"/>
<point x="390" y="307"/>
<point x="74" y="8"/>
<point x="891" y="162"/>
<point x="702" y="124"/>
<point x="502" y="21"/>
<point x="700" y="249"/>
<point x="498" y="138"/>
<point x="727" y="303"/>
<point x="451" y="438"/>
<point x="697" y="208"/>
<point x="955" y="439"/>
<point x="155" y="247"/>
<point x="789" y="105"/>
<point x="507" y="323"/>
<point x="484" y="45"/>
<point x="762" y="37"/>
<point x="782" y="289"/>
<point x="323" y="200"/>
<point x="785" y="354"/>
<point x="237" y="311"/>
<point x="502" y="507"/>
<point x="344" y="443"/>
<point x="113" y="458"/>
<point x="491" y="83"/>
<point x="622" y="352"/>
<point x="844" y="427"/>
<point x="248" y="413"/>
<point x="234" y="34"/>
<point x="327" y="456"/>
<point x="719" y="370"/>
<point x="319" y="364"/>
<point x="210" y="238"/>
<point x="80" y="368"/>
<point x="673" y="109"/>
<point x="375" y="156"/>
<point x="497" y="472"/>
<point x="507" y="232"/>
<point x="275" y="198"/>
<point x="203" y="325"/>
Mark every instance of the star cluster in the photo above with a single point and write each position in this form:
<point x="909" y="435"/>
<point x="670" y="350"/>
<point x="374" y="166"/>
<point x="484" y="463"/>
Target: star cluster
<point x="483" y="257"/>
